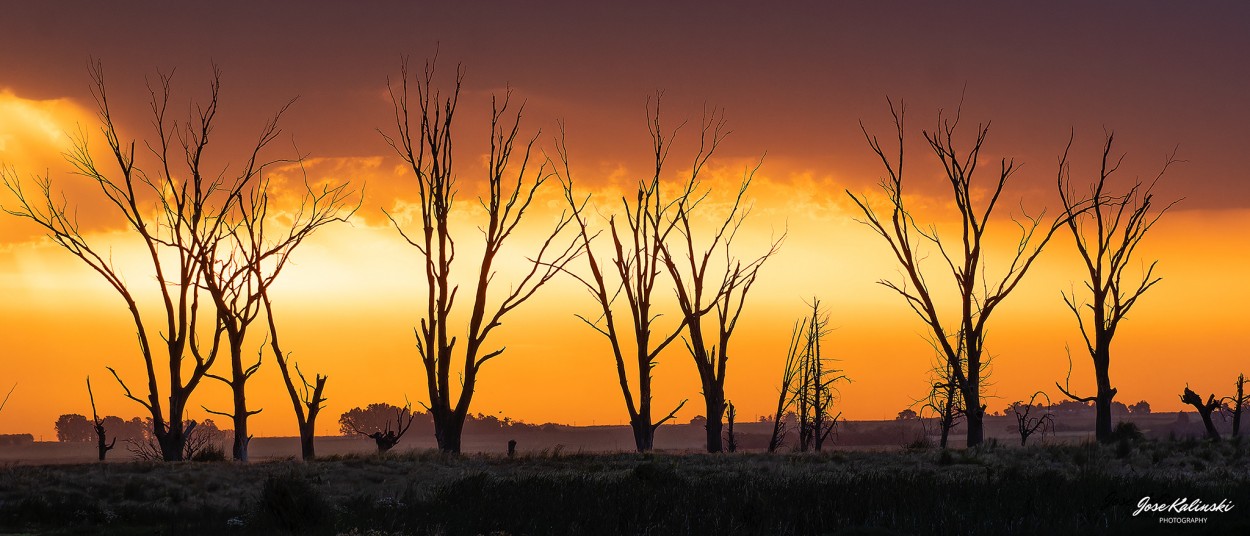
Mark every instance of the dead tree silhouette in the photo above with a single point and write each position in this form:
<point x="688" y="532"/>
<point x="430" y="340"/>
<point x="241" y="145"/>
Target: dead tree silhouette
<point x="1107" y="229"/>
<point x="1027" y="425"/>
<point x="815" y="389"/>
<point x="977" y="295"/>
<point x="808" y="386"/>
<point x="386" y="439"/>
<point x="1204" y="410"/>
<point x="944" y="397"/>
<point x="176" y="206"/>
<point x="720" y="293"/>
<point x="238" y="273"/>
<point x="102" y="446"/>
<point x="425" y="144"/>
<point x="1237" y="403"/>
<point x="636" y="262"/>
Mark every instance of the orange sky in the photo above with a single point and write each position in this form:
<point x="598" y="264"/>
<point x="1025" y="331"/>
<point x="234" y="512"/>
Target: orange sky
<point x="349" y="302"/>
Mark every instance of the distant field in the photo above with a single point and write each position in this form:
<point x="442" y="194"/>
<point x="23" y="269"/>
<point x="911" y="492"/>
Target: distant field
<point x="1057" y="489"/>
<point x="752" y="436"/>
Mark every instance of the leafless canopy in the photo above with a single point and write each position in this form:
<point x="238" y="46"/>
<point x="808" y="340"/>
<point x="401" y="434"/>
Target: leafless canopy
<point x="423" y="138"/>
<point x="633" y="270"/>
<point x="1107" y="229"/>
<point x="979" y="294"/>
<point x="175" y="206"/>
<point x="704" y="287"/>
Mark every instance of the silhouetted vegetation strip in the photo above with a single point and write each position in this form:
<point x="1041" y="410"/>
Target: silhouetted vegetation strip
<point x="1084" y="489"/>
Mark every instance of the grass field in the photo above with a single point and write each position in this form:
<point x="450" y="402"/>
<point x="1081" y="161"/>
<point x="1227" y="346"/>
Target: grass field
<point x="1057" y="489"/>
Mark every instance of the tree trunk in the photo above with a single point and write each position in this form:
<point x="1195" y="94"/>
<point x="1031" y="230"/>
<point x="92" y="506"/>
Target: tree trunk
<point x="644" y="433"/>
<point x="973" y="412"/>
<point x="448" y="433"/>
<point x="306" y="432"/>
<point x="241" y="439"/>
<point x="171" y="443"/>
<point x="715" y="406"/>
<point x="1102" y="401"/>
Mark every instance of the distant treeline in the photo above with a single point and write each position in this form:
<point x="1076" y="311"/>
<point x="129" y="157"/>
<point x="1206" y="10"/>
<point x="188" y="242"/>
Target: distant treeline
<point x="16" y="439"/>
<point x="381" y="416"/>
<point x="75" y="428"/>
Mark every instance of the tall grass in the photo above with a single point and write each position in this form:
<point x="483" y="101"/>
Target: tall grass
<point x="1068" y="489"/>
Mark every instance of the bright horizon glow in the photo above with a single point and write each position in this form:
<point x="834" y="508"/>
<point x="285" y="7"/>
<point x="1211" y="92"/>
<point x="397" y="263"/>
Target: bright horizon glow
<point x="794" y="85"/>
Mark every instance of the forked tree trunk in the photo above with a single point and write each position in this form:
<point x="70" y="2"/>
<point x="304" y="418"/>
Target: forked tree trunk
<point x="644" y="433"/>
<point x="306" y="433"/>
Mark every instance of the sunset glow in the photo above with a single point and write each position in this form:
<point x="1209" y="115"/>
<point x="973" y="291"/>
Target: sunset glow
<point x="793" y="87"/>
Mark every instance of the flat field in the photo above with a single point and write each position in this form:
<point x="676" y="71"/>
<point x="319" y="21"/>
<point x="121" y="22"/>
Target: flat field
<point x="993" y="490"/>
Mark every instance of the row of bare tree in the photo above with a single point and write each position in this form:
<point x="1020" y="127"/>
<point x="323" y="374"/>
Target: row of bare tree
<point x="1107" y="228"/>
<point x="214" y="240"/>
<point x="652" y="236"/>
<point x="215" y="244"/>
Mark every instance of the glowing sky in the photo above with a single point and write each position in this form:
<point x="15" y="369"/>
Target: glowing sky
<point x="794" y="84"/>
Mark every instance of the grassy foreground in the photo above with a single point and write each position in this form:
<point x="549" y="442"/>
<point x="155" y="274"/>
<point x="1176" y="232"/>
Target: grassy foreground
<point x="1061" y="489"/>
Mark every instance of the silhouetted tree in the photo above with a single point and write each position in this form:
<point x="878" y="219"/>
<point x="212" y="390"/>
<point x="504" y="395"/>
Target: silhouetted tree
<point x="636" y="261"/>
<point x="1027" y="420"/>
<point x="73" y="428"/>
<point x="386" y="437"/>
<point x="978" y="296"/>
<point x="1204" y="410"/>
<point x="731" y="440"/>
<point x="1140" y="408"/>
<point x="1236" y="404"/>
<point x="375" y="417"/>
<point x="720" y="293"/>
<point x="101" y="445"/>
<point x="1107" y="229"/>
<point x="241" y="267"/>
<point x="814" y="389"/>
<point x="945" y="399"/>
<point x="425" y="144"/>
<point x="807" y="387"/>
<point x="178" y="208"/>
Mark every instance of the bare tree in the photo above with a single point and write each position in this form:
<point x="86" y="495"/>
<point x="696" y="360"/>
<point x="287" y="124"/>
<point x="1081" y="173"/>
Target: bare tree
<point x="699" y="291"/>
<point x="1204" y="410"/>
<point x="1237" y="404"/>
<point x="1107" y="229"/>
<point x="238" y="272"/>
<point x="807" y="386"/>
<point x="425" y="144"/>
<point x="174" y="207"/>
<point x="231" y="273"/>
<point x="387" y="438"/>
<point x="815" y="387"/>
<point x="102" y="446"/>
<point x="636" y="263"/>
<point x="978" y="296"/>
<point x="1028" y="422"/>
<point x="944" y="399"/>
